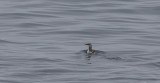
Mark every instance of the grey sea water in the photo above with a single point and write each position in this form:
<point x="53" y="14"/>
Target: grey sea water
<point x="42" y="41"/>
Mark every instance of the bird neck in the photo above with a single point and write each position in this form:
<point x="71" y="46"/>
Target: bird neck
<point x="90" y="48"/>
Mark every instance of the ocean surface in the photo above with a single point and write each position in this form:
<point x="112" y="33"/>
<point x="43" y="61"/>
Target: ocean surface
<point x="42" y="41"/>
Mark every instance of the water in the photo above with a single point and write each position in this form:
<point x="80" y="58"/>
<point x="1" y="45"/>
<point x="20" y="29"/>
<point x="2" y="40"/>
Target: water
<point x="42" y="41"/>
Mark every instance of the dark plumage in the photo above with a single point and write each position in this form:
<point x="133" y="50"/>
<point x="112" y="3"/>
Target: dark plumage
<point x="90" y="50"/>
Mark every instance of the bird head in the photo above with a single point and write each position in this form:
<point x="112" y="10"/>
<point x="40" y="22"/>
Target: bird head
<point x="88" y="44"/>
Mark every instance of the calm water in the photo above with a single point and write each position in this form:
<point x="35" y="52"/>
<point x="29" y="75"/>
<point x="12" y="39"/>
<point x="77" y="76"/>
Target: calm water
<point x="42" y="41"/>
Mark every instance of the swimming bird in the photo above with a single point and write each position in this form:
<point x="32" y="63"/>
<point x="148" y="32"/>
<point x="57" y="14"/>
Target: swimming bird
<point x="90" y="50"/>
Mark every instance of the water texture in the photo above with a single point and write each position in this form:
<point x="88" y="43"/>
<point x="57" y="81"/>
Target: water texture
<point x="42" y="41"/>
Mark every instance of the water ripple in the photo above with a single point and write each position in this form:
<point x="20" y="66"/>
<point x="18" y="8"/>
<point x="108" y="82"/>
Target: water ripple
<point x="45" y="39"/>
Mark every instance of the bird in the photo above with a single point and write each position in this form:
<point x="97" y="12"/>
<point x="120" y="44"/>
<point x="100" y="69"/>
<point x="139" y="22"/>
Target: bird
<point x="90" y="50"/>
